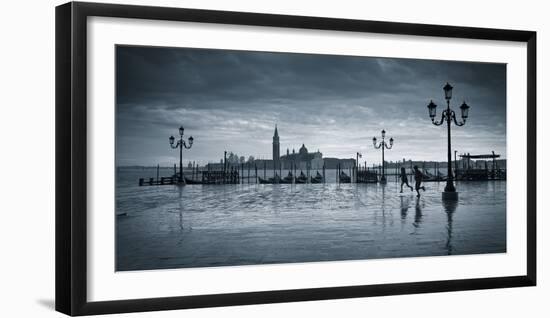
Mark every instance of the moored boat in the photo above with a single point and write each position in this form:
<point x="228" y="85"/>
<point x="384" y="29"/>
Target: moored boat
<point x="277" y="180"/>
<point x="191" y="181"/>
<point x="344" y="178"/>
<point x="288" y="179"/>
<point x="317" y="179"/>
<point x="302" y="178"/>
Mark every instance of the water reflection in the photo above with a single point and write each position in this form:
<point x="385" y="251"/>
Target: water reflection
<point x="383" y="207"/>
<point x="404" y="207"/>
<point x="265" y="224"/>
<point x="418" y="213"/>
<point x="275" y="197"/>
<point x="449" y="206"/>
<point x="180" y="201"/>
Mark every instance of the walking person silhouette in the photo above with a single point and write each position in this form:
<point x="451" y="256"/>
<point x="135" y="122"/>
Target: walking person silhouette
<point x="404" y="179"/>
<point x="418" y="181"/>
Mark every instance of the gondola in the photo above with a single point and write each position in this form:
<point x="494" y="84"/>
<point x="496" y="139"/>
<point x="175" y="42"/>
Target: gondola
<point x="276" y="180"/>
<point x="301" y="178"/>
<point x="265" y="181"/>
<point x="191" y="181"/>
<point x="317" y="179"/>
<point x="428" y="177"/>
<point x="288" y="179"/>
<point x="344" y="178"/>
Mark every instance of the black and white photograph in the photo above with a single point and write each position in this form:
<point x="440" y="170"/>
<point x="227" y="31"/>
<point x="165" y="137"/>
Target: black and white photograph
<point x="289" y="158"/>
<point x="234" y="158"/>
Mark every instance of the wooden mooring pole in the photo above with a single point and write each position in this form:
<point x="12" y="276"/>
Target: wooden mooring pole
<point x="412" y="173"/>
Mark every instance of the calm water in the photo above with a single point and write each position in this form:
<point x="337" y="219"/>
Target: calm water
<point x="217" y="225"/>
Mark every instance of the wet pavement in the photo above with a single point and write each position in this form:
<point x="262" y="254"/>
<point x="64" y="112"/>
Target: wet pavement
<point x="224" y="225"/>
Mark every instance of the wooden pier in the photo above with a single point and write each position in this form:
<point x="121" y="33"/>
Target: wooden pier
<point x="161" y="181"/>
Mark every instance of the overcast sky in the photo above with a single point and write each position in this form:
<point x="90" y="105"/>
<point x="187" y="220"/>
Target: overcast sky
<point x="231" y="100"/>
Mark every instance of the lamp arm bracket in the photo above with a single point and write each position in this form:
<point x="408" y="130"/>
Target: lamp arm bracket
<point x="185" y="145"/>
<point x="457" y="122"/>
<point x="443" y="115"/>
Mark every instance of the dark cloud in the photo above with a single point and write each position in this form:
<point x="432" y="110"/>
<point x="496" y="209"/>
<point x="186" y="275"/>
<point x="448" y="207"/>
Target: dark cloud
<point x="232" y="100"/>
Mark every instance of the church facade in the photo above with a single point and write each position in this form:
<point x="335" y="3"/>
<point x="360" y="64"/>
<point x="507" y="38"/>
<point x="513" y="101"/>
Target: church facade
<point x="301" y="160"/>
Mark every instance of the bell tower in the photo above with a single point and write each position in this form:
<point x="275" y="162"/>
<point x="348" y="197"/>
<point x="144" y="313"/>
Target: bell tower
<point x="276" y="148"/>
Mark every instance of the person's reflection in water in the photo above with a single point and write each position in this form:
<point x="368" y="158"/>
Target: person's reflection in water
<point x="417" y="213"/>
<point x="450" y="207"/>
<point x="404" y="207"/>
<point x="404" y="210"/>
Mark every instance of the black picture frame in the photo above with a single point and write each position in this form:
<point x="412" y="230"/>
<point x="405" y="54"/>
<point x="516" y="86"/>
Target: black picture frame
<point x="71" y="157"/>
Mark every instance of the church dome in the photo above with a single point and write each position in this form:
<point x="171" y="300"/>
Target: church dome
<point x="303" y="150"/>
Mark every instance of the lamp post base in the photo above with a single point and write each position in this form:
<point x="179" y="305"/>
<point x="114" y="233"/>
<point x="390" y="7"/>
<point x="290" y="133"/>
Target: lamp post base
<point x="450" y="196"/>
<point x="383" y="180"/>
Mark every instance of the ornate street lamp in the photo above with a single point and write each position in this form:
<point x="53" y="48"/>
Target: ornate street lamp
<point x="448" y="115"/>
<point x="181" y="144"/>
<point x="383" y="144"/>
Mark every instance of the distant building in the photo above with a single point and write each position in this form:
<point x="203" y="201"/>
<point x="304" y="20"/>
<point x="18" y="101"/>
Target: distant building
<point x="276" y="148"/>
<point x="317" y="161"/>
<point x="332" y="163"/>
<point x="303" y="159"/>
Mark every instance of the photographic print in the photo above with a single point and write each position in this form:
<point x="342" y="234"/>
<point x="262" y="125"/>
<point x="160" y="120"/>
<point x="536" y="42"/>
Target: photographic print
<point x="232" y="158"/>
